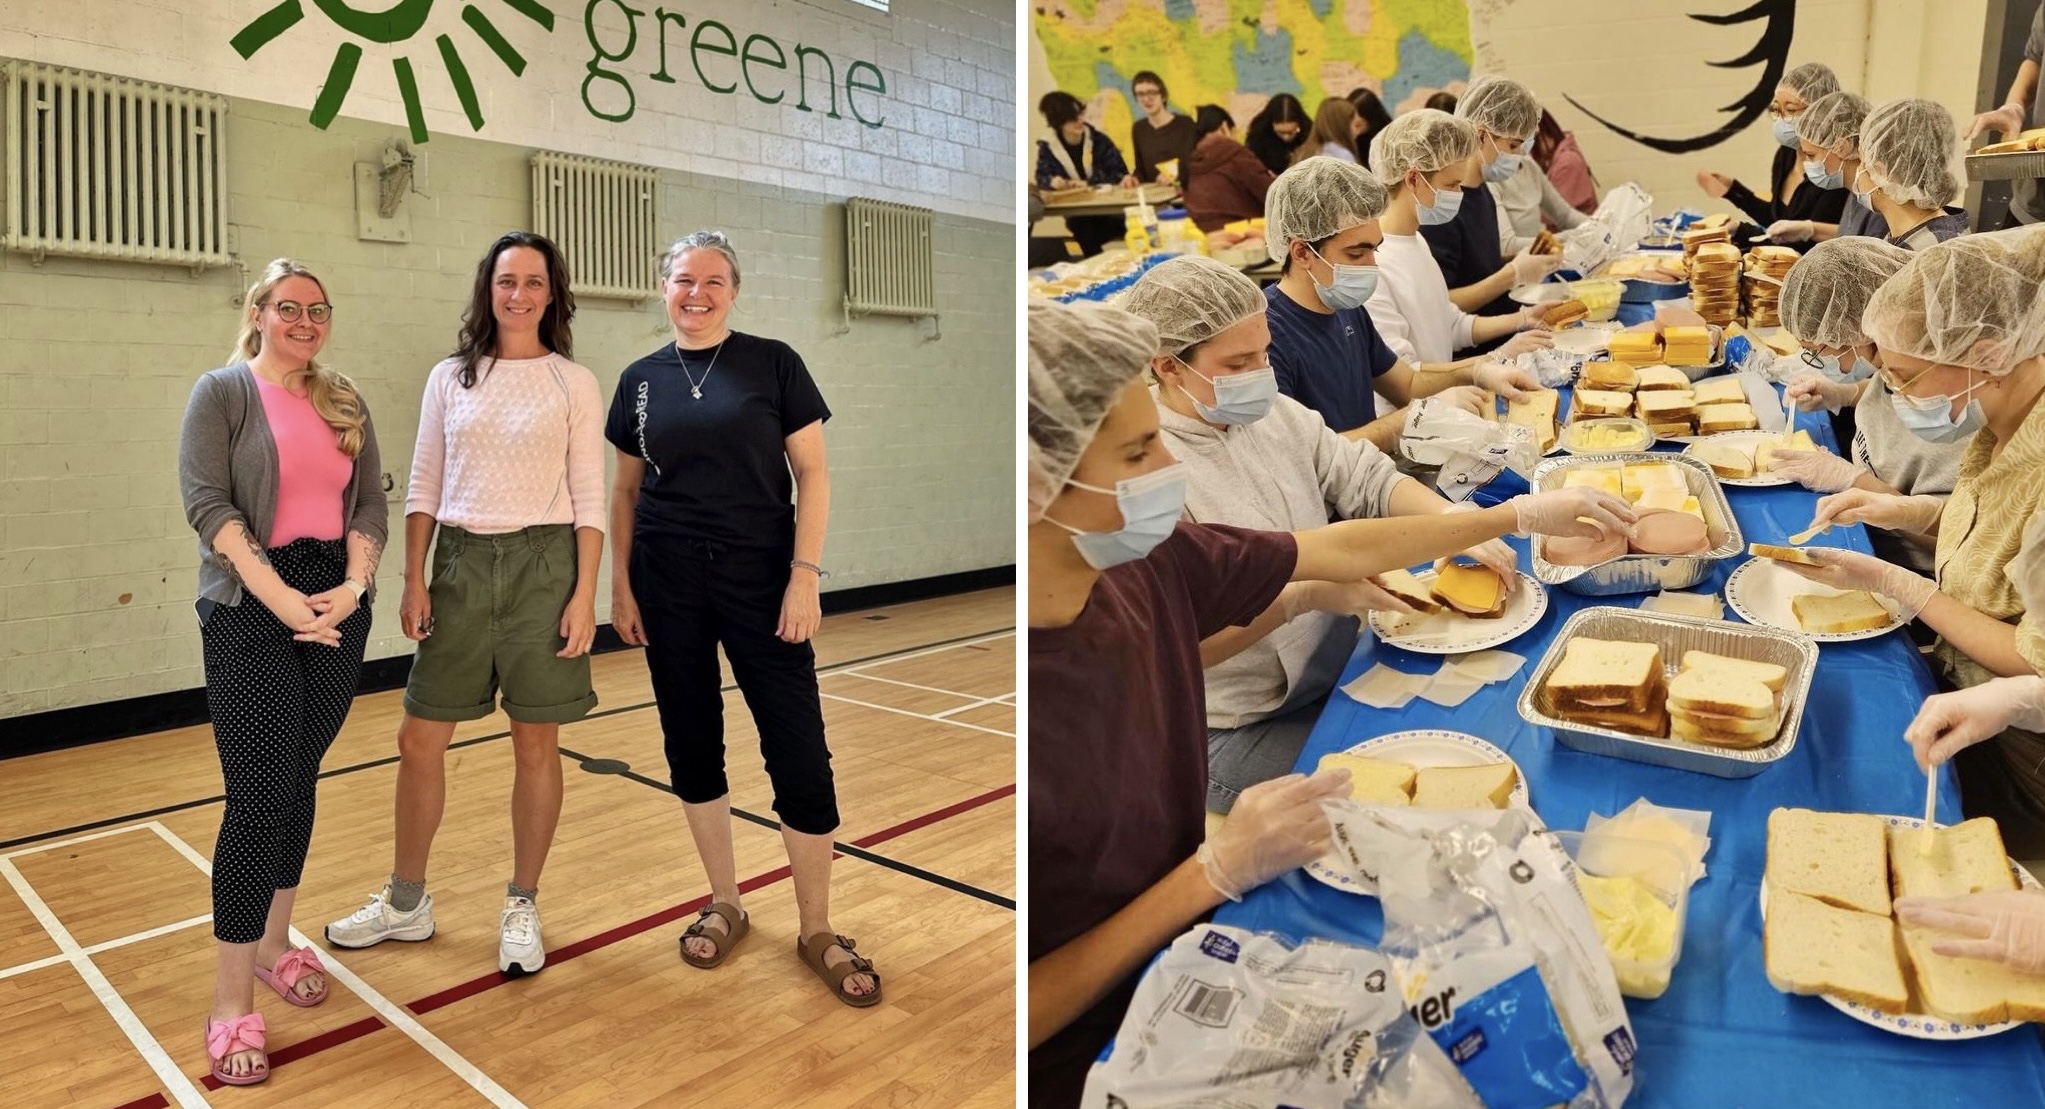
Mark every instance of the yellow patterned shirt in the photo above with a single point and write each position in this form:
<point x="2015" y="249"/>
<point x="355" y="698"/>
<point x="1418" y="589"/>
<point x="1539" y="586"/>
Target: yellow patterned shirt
<point x="1981" y="533"/>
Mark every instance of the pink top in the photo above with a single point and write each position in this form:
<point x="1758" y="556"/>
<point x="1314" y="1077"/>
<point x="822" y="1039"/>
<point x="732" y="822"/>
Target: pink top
<point x="524" y="446"/>
<point x="312" y="472"/>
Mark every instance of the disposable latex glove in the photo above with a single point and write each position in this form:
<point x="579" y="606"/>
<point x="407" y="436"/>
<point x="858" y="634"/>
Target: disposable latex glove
<point x="1505" y="379"/>
<point x="1274" y="827"/>
<point x="1343" y="598"/>
<point x="1469" y="398"/>
<point x="1888" y="511"/>
<point x="2006" y="120"/>
<point x="1564" y="512"/>
<point x="1791" y="231"/>
<point x="1853" y="570"/>
<point x="1812" y="392"/>
<point x="1819" y="471"/>
<point x="1493" y="553"/>
<point x="2001" y="926"/>
<point x="1529" y="268"/>
<point x="1949" y="722"/>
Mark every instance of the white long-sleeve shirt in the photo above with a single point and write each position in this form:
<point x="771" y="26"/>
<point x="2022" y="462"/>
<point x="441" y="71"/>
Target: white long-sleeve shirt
<point x="523" y="446"/>
<point x="1411" y="306"/>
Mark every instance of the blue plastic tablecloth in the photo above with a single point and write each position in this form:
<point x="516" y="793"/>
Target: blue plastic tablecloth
<point x="1721" y="1035"/>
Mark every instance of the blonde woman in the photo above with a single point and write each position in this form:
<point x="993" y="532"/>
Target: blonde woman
<point x="279" y="469"/>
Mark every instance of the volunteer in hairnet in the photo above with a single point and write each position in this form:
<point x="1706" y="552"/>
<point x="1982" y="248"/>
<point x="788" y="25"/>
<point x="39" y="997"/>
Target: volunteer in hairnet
<point x="1961" y="329"/>
<point x="1121" y="594"/>
<point x="1466" y="242"/>
<point x="1257" y="458"/>
<point x="1791" y="195"/>
<point x="1321" y="222"/>
<point x="1906" y="174"/>
<point x="1828" y="140"/>
<point x="1823" y="299"/>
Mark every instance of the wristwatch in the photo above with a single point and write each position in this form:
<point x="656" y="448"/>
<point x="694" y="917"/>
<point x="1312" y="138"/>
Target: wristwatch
<point x="359" y="588"/>
<point x="812" y="567"/>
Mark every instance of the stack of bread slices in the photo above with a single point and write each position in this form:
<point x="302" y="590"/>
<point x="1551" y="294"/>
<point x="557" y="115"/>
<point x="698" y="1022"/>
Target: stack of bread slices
<point x="1726" y="702"/>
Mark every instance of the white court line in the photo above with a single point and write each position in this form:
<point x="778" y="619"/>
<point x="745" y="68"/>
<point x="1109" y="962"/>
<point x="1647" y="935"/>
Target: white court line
<point x="853" y="667"/>
<point x="107" y="945"/>
<point x="39" y="964"/>
<point x="917" y="715"/>
<point x="981" y="703"/>
<point x="182" y="1091"/>
<point x="392" y="1013"/>
<point x="906" y="685"/>
<point x="39" y="848"/>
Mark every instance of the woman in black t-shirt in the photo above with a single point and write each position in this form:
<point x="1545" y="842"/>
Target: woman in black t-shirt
<point x="709" y="429"/>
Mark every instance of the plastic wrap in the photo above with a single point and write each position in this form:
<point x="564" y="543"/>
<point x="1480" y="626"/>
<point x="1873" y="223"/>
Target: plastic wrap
<point x="1468" y="449"/>
<point x="1624" y="217"/>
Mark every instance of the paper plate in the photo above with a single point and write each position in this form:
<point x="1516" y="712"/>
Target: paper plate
<point x="1422" y="748"/>
<point x="1759" y="591"/>
<point x="1917" y="1026"/>
<point x="1743" y="439"/>
<point x="1448" y="633"/>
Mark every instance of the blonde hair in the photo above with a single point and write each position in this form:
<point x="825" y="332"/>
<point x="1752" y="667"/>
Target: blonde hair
<point x="332" y="395"/>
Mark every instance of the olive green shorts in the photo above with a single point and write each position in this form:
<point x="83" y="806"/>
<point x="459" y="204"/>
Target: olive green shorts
<point x="497" y="604"/>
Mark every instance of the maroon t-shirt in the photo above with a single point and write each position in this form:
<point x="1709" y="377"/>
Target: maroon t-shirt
<point x="1118" y="750"/>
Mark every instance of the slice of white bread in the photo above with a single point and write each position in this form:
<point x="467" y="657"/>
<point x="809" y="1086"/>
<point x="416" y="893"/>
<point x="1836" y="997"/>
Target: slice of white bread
<point x="1780" y="553"/>
<point x="1689" y="730"/>
<point x="1720" y="692"/>
<point x="1814" y="948"/>
<point x="1966" y="858"/>
<point x="1651" y="721"/>
<point x="1720" y="390"/>
<point x="1838" y="613"/>
<point x="1661" y="377"/>
<point x="1970" y="991"/>
<point x="1714" y="418"/>
<point x="1839" y="858"/>
<point x="1537" y="411"/>
<point x="1665" y="404"/>
<point x="1465" y="787"/>
<point x="1403" y="585"/>
<point x="1724" y="459"/>
<point x="1605" y="675"/>
<point x="1373" y="781"/>
<point x="1614" y="375"/>
<point x="1767" y="673"/>
<point x="1600" y="402"/>
<point x="1764" y="453"/>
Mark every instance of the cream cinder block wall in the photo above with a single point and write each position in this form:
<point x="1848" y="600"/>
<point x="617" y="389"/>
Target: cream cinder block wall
<point x="97" y="359"/>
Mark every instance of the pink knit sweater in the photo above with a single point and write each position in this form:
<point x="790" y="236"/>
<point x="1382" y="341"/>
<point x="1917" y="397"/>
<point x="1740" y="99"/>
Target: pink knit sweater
<point x="524" y="446"/>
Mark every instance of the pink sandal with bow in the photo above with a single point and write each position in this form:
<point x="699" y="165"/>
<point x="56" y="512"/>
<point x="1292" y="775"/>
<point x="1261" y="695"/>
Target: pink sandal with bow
<point x="291" y="968"/>
<point x="227" y="1037"/>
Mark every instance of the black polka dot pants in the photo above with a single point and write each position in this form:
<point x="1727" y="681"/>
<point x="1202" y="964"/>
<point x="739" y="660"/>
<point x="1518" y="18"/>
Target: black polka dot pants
<point x="276" y="706"/>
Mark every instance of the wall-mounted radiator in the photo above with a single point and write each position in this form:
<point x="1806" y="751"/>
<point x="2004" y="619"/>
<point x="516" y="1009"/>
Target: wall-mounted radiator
<point x="107" y="167"/>
<point x="888" y="259"/>
<point x="605" y="218"/>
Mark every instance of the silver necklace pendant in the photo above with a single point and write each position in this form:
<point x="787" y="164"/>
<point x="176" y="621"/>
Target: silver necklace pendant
<point x="696" y="391"/>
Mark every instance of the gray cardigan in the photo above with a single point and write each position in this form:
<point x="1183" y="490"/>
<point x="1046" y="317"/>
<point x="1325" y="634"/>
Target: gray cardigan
<point x="227" y="468"/>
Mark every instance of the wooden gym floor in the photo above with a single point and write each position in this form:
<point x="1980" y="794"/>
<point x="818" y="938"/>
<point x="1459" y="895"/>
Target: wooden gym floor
<point x="106" y="957"/>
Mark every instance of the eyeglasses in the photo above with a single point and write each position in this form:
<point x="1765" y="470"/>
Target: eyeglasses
<point x="1780" y="112"/>
<point x="1146" y="93"/>
<point x="290" y="310"/>
<point x="1889" y="378"/>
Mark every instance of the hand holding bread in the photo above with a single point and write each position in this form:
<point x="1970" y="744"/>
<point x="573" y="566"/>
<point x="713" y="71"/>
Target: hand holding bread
<point x="2006" y="120"/>
<point x="1528" y="267"/>
<point x="1949" y="722"/>
<point x="1504" y="378"/>
<point x="1853" y="570"/>
<point x="2001" y="926"/>
<point x="1343" y="598"/>
<point x="1819" y="471"/>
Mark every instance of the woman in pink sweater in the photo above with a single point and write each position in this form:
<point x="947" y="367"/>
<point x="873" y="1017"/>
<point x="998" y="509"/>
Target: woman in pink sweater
<point x="509" y="469"/>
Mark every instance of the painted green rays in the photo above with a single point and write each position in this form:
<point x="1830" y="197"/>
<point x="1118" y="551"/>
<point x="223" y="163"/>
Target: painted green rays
<point x="397" y="23"/>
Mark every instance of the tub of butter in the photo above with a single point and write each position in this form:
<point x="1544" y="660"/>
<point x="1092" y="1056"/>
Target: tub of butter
<point x="1638" y="892"/>
<point x="1604" y="434"/>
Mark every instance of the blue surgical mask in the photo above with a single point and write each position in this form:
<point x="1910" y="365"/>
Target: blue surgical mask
<point x="1785" y="132"/>
<point x="1931" y="418"/>
<point x="1353" y="284"/>
<point x="1239" y="399"/>
<point x="1501" y="171"/>
<point x="1827" y="365"/>
<point x="1816" y="173"/>
<point x="1151" y="506"/>
<point x="1447" y="202"/>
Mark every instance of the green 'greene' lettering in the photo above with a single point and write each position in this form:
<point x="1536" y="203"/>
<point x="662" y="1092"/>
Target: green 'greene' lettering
<point x="880" y="86"/>
<point x="661" y="18"/>
<point x="596" y="69"/>
<point x="697" y="48"/>
<point x="802" y="57"/>
<point x="745" y="66"/>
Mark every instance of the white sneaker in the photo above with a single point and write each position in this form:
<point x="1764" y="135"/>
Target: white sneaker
<point x="519" y="950"/>
<point x="378" y="921"/>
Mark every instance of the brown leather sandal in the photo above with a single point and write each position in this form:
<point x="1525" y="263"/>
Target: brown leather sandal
<point x="812" y="952"/>
<point x="736" y="923"/>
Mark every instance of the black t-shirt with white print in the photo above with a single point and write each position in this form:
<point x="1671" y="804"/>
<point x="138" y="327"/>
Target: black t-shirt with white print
<point x="716" y="465"/>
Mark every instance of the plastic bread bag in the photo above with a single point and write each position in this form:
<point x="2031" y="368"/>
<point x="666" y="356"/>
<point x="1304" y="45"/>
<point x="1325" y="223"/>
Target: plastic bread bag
<point x="1495" y="952"/>
<point x="1624" y="217"/>
<point x="1231" y="1019"/>
<point x="1469" y="449"/>
<point x="1552" y="368"/>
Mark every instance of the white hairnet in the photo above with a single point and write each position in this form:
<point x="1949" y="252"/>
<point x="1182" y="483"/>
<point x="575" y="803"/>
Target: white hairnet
<point x="1082" y="356"/>
<point x="1427" y="140"/>
<point x="1909" y="146"/>
<point x="1833" y="123"/>
<point x="1317" y="198"/>
<point x="1812" y="80"/>
<point x="1500" y="105"/>
<point x="1830" y="286"/>
<point x="1977" y="301"/>
<point x="1190" y="299"/>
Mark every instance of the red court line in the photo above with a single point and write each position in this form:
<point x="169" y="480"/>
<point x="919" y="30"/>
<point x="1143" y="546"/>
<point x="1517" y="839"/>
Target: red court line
<point x="584" y="946"/>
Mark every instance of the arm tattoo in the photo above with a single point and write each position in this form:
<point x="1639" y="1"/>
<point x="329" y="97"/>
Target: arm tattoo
<point x="262" y="555"/>
<point x="371" y="557"/>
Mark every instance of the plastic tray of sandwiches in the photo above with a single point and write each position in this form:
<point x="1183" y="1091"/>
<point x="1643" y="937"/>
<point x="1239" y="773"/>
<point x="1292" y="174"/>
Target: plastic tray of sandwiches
<point x="1637" y="572"/>
<point x="1675" y="636"/>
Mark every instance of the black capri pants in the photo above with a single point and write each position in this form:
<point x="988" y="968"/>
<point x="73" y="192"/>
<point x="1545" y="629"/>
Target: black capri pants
<point x="694" y="595"/>
<point x="276" y="705"/>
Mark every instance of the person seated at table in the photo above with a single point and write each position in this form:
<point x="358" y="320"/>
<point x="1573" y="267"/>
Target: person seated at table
<point x="1828" y="141"/>
<point x="1559" y="156"/>
<point x="1371" y="118"/>
<point x="1257" y="458"/>
<point x="1321" y="223"/>
<point x="1906" y="172"/>
<point x="1225" y="182"/>
<point x="1276" y="131"/>
<point x="1793" y="197"/>
<point x="1074" y="154"/>
<point x="1121" y="594"/>
<point x="1961" y="329"/>
<point x="1161" y="136"/>
<point x="1421" y="158"/>
<point x="1465" y="244"/>
<point x="1333" y="134"/>
<point x="1823" y="299"/>
<point x="1528" y="201"/>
